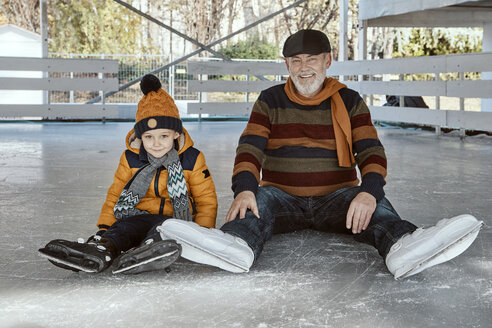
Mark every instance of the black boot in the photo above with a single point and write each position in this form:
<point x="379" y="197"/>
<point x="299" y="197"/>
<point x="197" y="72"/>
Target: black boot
<point x="150" y="256"/>
<point x="94" y="256"/>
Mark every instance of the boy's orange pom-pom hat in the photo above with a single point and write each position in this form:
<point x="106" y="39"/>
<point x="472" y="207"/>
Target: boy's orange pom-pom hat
<point x="156" y="109"/>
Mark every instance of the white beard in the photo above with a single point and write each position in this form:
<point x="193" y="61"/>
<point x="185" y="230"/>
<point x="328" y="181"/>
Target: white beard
<point x="307" y="88"/>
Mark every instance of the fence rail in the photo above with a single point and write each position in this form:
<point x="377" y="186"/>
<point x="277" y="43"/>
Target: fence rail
<point x="97" y="79"/>
<point x="368" y="77"/>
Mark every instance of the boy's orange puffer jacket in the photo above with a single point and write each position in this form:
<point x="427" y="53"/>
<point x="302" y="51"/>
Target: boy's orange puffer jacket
<point x="201" y="189"/>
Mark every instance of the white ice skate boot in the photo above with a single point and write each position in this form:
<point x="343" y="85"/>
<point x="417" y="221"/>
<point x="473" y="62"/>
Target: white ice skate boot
<point x="208" y="246"/>
<point x="427" y="247"/>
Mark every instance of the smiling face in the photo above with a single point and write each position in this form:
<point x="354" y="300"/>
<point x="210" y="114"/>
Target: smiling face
<point x="308" y="72"/>
<point x="159" y="142"/>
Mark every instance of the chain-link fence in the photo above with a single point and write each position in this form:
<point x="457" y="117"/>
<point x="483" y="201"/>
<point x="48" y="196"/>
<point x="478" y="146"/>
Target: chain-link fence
<point x="174" y="79"/>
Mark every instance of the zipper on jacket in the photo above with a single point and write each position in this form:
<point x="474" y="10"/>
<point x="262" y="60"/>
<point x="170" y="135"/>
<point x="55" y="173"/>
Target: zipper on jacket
<point x="156" y="181"/>
<point x="156" y="190"/>
<point x="161" y="208"/>
<point x="193" y="205"/>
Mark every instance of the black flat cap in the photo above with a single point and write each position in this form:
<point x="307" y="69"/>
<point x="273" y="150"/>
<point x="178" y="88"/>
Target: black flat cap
<point x="311" y="42"/>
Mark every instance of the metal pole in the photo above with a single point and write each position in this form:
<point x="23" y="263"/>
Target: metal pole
<point x="172" y="30"/>
<point x="43" y="14"/>
<point x="362" y="46"/>
<point x="343" y="42"/>
<point x="438" y="105"/>
<point x="177" y="61"/>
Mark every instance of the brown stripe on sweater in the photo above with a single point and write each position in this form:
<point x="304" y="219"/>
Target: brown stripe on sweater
<point x="309" y="179"/>
<point x="246" y="157"/>
<point x="305" y="142"/>
<point x="315" y="131"/>
<point x="360" y="120"/>
<point x="260" y="119"/>
<point x="373" y="159"/>
<point x="311" y="191"/>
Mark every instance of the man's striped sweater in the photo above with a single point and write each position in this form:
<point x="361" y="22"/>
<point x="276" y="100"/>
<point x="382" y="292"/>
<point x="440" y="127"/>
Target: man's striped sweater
<point x="293" y="146"/>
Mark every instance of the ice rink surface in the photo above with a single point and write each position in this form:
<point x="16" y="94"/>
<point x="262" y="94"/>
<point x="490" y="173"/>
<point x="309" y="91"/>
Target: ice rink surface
<point x="53" y="181"/>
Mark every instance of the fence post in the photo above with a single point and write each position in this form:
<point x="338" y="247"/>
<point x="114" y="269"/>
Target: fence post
<point x="43" y="20"/>
<point x="200" y="98"/>
<point x="247" y="93"/>
<point x="171" y="81"/>
<point x="438" y="104"/>
<point x="71" y="91"/>
<point x="402" y="98"/>
<point x="462" y="106"/>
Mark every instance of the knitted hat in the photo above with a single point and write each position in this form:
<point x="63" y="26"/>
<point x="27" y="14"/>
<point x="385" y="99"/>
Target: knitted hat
<point x="156" y="109"/>
<point x="311" y="42"/>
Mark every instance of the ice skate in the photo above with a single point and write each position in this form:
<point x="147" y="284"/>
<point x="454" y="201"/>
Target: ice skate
<point x="149" y="257"/>
<point x="209" y="246"/>
<point x="427" y="247"/>
<point x="77" y="256"/>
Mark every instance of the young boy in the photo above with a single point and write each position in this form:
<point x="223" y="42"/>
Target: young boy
<point x="160" y="175"/>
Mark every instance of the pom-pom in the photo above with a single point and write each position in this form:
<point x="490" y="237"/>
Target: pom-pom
<point x="150" y="83"/>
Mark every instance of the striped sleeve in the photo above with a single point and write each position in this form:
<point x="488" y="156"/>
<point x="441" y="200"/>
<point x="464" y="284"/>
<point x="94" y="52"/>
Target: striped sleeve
<point x="369" y="152"/>
<point x="250" y="150"/>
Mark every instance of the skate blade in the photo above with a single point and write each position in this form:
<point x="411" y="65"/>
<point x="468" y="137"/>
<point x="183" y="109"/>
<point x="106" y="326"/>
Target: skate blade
<point x="418" y="268"/>
<point x="236" y="268"/>
<point x="144" y="262"/>
<point x="69" y="264"/>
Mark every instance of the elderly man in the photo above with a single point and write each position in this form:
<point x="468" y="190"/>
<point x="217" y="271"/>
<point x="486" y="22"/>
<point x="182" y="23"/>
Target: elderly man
<point x="295" y="169"/>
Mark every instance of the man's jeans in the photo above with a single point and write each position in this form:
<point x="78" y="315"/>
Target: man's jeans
<point x="281" y="212"/>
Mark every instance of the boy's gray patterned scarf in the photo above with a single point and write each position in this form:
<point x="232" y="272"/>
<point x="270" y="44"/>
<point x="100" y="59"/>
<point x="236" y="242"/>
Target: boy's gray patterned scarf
<point x="138" y="185"/>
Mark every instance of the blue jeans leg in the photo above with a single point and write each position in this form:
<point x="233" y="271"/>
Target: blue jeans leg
<point x="384" y="229"/>
<point x="279" y="213"/>
<point x="130" y="232"/>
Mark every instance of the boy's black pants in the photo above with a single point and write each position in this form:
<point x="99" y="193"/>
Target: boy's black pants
<point x="132" y="231"/>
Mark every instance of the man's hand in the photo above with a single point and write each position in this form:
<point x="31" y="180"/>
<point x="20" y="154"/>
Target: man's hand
<point x="244" y="200"/>
<point x="360" y="212"/>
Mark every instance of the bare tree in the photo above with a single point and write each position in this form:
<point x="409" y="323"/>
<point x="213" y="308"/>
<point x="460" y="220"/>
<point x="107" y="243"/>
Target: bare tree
<point x="22" y="13"/>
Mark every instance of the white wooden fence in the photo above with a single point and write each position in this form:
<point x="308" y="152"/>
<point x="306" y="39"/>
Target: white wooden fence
<point x="372" y="70"/>
<point x="98" y="82"/>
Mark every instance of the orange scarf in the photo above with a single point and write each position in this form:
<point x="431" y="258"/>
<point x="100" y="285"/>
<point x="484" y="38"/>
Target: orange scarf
<point x="339" y="115"/>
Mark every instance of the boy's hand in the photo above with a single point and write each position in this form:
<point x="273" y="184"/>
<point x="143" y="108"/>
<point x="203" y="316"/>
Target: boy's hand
<point x="244" y="200"/>
<point x="360" y="212"/>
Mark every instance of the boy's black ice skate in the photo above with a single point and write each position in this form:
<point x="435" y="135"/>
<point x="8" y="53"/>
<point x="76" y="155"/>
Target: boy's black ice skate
<point x="153" y="255"/>
<point x="93" y="256"/>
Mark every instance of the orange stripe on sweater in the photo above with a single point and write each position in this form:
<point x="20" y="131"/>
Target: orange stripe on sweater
<point x="376" y="168"/>
<point x="256" y="129"/>
<point x="364" y="132"/>
<point x="245" y="166"/>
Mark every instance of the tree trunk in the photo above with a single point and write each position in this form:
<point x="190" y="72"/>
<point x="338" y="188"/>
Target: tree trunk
<point x="249" y="18"/>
